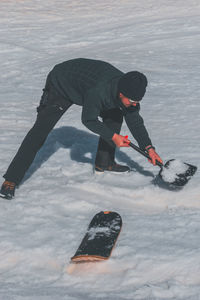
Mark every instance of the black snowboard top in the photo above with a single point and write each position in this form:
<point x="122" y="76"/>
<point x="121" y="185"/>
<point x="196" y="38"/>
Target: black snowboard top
<point x="93" y="84"/>
<point x="100" y="238"/>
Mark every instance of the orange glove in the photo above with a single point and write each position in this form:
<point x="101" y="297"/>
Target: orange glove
<point x="153" y="155"/>
<point x="120" y="140"/>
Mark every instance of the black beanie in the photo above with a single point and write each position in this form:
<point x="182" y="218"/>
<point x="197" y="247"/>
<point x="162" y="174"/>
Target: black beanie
<point x="133" y="85"/>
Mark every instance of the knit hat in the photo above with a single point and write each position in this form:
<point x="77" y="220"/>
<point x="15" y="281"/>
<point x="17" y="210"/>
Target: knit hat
<point x="133" y="85"/>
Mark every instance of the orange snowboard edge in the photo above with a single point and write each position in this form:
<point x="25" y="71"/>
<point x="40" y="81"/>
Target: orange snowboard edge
<point x="88" y="258"/>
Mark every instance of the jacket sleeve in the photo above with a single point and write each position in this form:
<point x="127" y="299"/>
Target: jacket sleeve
<point x="92" y="107"/>
<point x="137" y="128"/>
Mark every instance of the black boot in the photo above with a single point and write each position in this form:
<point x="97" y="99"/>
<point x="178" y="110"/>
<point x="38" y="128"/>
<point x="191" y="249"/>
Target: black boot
<point x="113" y="168"/>
<point x="8" y="190"/>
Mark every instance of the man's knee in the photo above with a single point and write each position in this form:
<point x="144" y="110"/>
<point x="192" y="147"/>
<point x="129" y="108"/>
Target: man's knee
<point x="114" y="115"/>
<point x="118" y="116"/>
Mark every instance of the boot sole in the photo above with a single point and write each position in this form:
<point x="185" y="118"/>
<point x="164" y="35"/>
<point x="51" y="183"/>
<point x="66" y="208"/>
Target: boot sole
<point x="111" y="172"/>
<point x="5" y="197"/>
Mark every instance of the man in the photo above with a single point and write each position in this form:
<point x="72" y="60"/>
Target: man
<point x="103" y="91"/>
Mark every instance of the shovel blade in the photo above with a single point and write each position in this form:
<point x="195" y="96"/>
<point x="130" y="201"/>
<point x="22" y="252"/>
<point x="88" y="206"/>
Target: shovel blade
<point x="176" y="173"/>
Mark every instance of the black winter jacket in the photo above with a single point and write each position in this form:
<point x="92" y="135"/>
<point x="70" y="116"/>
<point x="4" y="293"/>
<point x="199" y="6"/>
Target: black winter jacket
<point x="93" y="84"/>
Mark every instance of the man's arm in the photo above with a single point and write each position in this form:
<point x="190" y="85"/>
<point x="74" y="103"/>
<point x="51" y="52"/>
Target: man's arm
<point x="137" y="128"/>
<point x="92" y="108"/>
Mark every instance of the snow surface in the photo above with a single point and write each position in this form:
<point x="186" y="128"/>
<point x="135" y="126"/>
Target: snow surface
<point x="157" y="255"/>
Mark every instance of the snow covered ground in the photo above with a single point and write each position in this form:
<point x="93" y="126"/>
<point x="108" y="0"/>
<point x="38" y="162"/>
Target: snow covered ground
<point x="158" y="252"/>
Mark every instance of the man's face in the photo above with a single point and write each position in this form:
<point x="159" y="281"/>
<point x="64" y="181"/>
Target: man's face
<point x="126" y="101"/>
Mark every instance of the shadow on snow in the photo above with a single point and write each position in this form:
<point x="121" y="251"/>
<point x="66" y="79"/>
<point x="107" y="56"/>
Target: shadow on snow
<point x="80" y="143"/>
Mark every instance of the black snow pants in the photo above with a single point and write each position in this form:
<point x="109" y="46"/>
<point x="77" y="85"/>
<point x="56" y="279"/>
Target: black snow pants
<point x="52" y="107"/>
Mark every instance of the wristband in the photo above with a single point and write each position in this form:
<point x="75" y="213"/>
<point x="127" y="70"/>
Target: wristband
<point x="150" y="147"/>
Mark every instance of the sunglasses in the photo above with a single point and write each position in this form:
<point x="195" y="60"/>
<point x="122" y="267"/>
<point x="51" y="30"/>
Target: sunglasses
<point x="132" y="101"/>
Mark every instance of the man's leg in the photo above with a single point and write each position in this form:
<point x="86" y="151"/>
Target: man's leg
<point x="48" y="116"/>
<point x="106" y="149"/>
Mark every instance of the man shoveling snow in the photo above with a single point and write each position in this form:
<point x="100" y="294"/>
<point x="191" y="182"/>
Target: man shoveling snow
<point x="103" y="91"/>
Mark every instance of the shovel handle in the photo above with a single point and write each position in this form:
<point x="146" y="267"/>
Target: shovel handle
<point x="144" y="154"/>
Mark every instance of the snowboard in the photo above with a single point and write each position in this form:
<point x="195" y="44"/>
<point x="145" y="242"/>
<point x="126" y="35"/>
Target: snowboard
<point x="100" y="238"/>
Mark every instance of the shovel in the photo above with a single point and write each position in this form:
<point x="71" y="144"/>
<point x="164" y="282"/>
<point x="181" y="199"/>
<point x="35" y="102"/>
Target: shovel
<point x="174" y="172"/>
